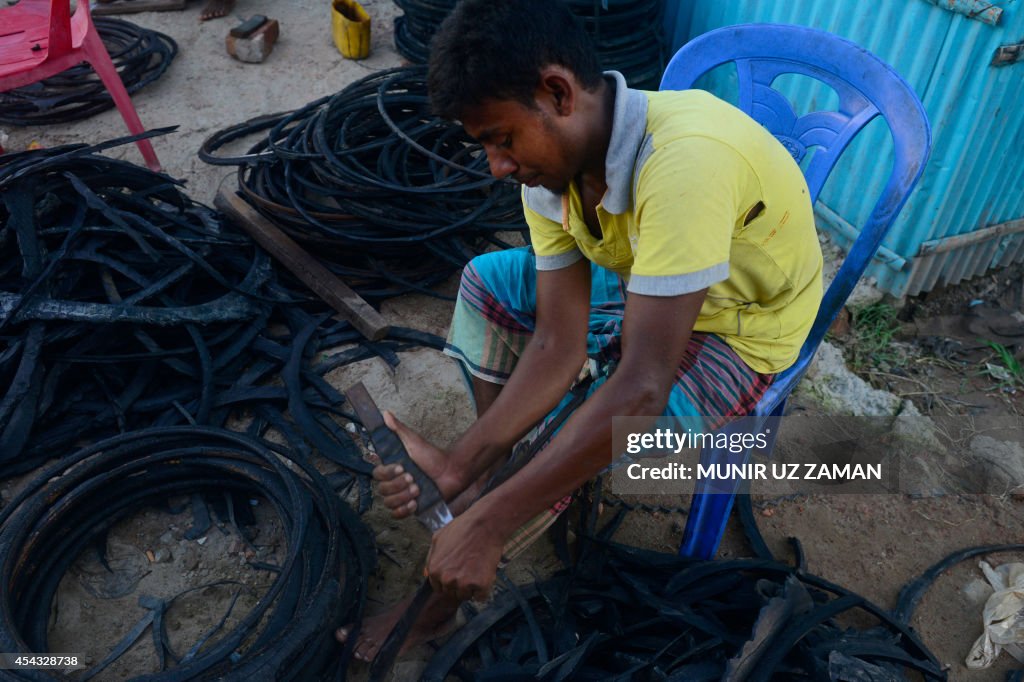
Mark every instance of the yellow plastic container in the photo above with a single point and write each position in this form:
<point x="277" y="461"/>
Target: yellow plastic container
<point x="350" y="25"/>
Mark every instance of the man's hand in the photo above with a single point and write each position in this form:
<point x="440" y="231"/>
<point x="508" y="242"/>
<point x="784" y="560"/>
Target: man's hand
<point x="464" y="556"/>
<point x="396" y="487"/>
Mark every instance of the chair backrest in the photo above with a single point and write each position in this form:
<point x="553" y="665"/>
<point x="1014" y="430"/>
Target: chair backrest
<point x="60" y="25"/>
<point x="33" y="17"/>
<point x="867" y="87"/>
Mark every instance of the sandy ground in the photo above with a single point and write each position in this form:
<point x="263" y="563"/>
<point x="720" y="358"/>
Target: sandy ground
<point x="872" y="545"/>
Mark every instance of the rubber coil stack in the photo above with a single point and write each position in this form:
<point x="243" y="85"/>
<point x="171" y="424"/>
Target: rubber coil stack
<point x="627" y="33"/>
<point x="388" y="196"/>
<point x="628" y="36"/>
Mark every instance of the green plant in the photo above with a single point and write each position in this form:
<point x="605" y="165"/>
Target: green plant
<point x="874" y="327"/>
<point x="1009" y="372"/>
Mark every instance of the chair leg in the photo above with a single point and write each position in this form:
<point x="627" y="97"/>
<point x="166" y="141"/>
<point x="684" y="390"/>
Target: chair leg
<point x="98" y="57"/>
<point x="710" y="513"/>
<point x="713" y="499"/>
<point x="710" y="507"/>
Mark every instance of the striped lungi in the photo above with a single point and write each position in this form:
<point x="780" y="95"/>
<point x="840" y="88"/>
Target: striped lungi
<point x="495" y="315"/>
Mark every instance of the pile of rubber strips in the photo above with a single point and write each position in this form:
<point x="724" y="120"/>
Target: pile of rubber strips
<point x="140" y="55"/>
<point x="389" y="197"/>
<point x="124" y="304"/>
<point x="619" y="612"/>
<point x="626" y="33"/>
<point x="136" y="328"/>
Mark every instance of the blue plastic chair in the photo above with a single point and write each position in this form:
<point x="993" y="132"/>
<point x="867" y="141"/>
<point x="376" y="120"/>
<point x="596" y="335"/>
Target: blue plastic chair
<point x="867" y="87"/>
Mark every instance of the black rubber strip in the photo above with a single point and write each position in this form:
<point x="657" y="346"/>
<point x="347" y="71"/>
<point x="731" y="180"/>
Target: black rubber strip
<point x="912" y="592"/>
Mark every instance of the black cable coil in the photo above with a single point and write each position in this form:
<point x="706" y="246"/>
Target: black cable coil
<point x="125" y="305"/>
<point x="628" y="34"/>
<point x="629" y="37"/>
<point x="288" y="635"/>
<point x="417" y="26"/>
<point x="140" y="55"/>
<point x="390" y="197"/>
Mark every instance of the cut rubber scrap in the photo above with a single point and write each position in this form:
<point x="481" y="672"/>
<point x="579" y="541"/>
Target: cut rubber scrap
<point x="702" y="615"/>
<point x="320" y="585"/>
<point x="111" y="262"/>
<point x="629" y="613"/>
<point x="124" y="304"/>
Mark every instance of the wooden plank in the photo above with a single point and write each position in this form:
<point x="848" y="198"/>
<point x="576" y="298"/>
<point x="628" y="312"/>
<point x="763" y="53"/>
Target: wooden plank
<point x="133" y="6"/>
<point x="322" y="281"/>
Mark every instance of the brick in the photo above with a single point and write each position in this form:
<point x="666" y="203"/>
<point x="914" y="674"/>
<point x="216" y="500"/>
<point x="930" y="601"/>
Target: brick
<point x="255" y="47"/>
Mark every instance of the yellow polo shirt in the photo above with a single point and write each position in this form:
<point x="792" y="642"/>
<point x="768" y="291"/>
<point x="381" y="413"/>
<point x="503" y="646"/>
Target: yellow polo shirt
<point x="684" y="170"/>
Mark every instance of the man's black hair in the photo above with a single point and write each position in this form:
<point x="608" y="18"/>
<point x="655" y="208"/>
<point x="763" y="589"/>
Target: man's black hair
<point x="495" y="49"/>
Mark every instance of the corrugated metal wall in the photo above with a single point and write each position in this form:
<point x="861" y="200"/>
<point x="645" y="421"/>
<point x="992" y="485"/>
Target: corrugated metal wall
<point x="967" y="214"/>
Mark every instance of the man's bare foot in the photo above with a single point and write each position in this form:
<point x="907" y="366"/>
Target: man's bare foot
<point x="397" y="487"/>
<point x="216" y="8"/>
<point x="436" y="620"/>
<point x="468" y="496"/>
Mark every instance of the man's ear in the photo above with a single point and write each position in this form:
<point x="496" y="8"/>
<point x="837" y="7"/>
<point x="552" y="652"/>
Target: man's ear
<point x="558" y="88"/>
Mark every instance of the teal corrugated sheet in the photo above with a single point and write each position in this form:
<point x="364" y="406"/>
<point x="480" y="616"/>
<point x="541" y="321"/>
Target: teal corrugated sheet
<point x="975" y="178"/>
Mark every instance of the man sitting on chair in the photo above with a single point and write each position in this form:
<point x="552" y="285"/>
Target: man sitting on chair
<point x="673" y="244"/>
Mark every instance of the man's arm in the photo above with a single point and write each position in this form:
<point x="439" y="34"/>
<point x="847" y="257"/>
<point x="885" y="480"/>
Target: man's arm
<point x="550" y="361"/>
<point x="656" y="330"/>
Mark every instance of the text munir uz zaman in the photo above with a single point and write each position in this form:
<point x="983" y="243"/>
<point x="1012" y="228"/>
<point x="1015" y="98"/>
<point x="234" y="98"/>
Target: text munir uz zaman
<point x="736" y="442"/>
